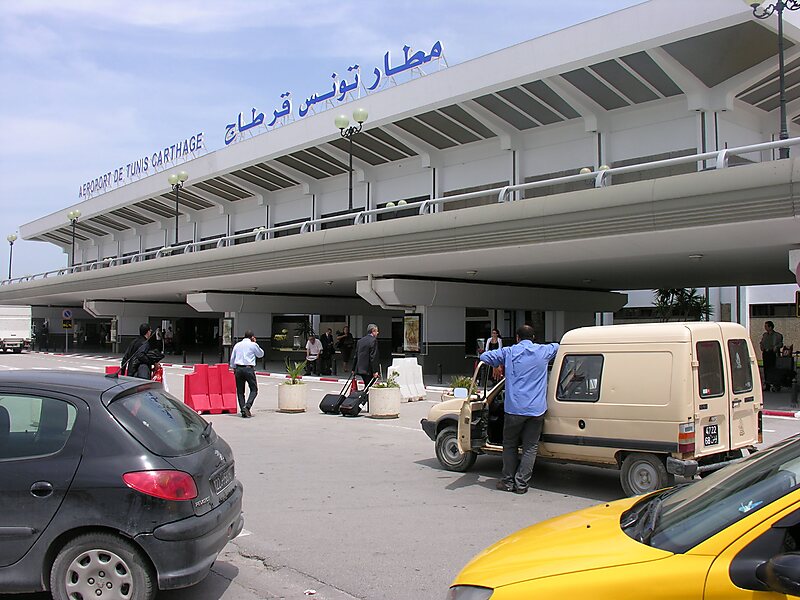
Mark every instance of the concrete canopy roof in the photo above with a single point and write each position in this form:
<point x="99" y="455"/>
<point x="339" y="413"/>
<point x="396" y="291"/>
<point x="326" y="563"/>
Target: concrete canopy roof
<point x="648" y="53"/>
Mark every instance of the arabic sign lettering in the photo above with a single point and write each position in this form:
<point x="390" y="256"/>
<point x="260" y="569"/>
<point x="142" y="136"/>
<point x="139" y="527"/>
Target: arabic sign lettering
<point x="159" y="160"/>
<point x="339" y="91"/>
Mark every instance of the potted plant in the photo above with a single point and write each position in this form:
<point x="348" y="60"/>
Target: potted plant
<point x="385" y="398"/>
<point x="460" y="381"/>
<point x="292" y="393"/>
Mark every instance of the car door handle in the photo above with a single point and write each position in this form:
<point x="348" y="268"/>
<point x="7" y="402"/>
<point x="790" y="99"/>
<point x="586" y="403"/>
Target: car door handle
<point x="42" y="489"/>
<point x="736" y="402"/>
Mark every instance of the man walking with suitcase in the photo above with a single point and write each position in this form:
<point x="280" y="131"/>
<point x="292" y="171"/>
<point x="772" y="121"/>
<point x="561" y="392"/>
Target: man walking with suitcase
<point x="367" y="357"/>
<point x="243" y="363"/>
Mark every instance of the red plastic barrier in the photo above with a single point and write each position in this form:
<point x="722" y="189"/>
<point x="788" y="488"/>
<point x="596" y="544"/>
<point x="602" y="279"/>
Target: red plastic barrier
<point x="214" y="390"/>
<point x="195" y="389"/>
<point x="112" y="369"/>
<point x="228" y="387"/>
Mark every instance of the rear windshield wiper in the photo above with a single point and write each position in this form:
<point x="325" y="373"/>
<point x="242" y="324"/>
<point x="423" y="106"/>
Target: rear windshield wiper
<point x="207" y="430"/>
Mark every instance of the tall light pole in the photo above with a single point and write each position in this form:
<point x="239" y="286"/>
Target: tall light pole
<point x="73" y="217"/>
<point x="342" y="123"/>
<point x="11" y="239"/>
<point x="176" y="181"/>
<point x="764" y="11"/>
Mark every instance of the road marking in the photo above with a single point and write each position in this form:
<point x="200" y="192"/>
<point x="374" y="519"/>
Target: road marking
<point x="400" y="427"/>
<point x="244" y="533"/>
<point x="769" y="431"/>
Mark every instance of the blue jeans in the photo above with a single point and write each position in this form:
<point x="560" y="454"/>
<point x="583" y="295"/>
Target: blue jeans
<point x="520" y="430"/>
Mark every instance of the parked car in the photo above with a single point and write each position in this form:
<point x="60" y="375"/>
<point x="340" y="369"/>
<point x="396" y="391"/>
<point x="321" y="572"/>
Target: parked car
<point x="734" y="534"/>
<point x="110" y="488"/>
<point x="652" y="400"/>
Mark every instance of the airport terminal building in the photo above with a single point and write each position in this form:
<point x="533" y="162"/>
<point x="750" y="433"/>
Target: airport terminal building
<point x="632" y="152"/>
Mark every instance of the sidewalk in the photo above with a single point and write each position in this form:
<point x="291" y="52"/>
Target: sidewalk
<point x="775" y="403"/>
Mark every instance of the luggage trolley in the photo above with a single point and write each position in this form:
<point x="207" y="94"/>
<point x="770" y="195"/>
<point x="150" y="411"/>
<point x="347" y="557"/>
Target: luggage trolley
<point x="784" y="371"/>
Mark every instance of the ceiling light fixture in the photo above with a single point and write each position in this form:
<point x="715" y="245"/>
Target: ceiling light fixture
<point x="695" y="257"/>
<point x="472" y="273"/>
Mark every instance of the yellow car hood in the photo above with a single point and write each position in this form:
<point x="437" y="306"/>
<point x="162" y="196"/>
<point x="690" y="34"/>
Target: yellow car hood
<point x="580" y="541"/>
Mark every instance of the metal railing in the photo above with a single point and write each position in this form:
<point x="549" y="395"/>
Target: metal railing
<point x="600" y="177"/>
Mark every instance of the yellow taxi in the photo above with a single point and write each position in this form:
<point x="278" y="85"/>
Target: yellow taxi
<point x="734" y="534"/>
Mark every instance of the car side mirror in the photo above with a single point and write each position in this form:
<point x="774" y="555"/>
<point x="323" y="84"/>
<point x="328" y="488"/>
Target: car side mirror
<point x="781" y="573"/>
<point x="461" y="392"/>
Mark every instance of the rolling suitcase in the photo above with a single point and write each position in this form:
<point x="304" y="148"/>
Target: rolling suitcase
<point x="331" y="402"/>
<point x="352" y="405"/>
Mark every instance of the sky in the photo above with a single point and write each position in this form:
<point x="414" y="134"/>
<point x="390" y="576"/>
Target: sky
<point x="88" y="85"/>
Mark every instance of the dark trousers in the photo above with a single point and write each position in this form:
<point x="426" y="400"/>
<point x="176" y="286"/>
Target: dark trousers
<point x="242" y="375"/>
<point x="519" y="430"/>
<point x="312" y="366"/>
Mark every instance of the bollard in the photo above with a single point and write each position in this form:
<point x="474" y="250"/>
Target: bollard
<point x="264" y="362"/>
<point x="439" y="373"/>
<point x="795" y="390"/>
<point x="333" y="364"/>
<point x="222" y="356"/>
<point x="184" y="357"/>
<point x="202" y="358"/>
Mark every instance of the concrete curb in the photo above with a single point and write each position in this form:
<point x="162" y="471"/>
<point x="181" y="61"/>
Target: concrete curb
<point x="781" y="413"/>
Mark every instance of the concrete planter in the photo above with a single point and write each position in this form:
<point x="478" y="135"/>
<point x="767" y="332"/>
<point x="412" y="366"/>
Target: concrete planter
<point x="292" y="398"/>
<point x="384" y="403"/>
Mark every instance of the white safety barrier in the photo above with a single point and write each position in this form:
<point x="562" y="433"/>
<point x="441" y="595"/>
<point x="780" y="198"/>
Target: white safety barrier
<point x="409" y="377"/>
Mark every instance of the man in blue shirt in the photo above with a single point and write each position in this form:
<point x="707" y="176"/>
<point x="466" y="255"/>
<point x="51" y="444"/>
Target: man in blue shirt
<point x="243" y="363"/>
<point x="525" y="366"/>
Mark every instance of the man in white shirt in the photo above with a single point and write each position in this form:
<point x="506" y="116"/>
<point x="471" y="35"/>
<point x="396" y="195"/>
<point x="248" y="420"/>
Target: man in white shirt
<point x="243" y="363"/>
<point x="313" y="350"/>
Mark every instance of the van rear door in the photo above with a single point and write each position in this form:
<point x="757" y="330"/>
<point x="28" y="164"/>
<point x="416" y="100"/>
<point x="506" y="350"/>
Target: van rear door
<point x="745" y="397"/>
<point x="712" y="395"/>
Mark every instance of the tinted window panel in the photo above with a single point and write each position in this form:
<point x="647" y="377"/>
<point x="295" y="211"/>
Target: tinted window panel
<point x="741" y="373"/>
<point x="33" y="426"/>
<point x="709" y="371"/>
<point x="162" y="424"/>
<point x="579" y="379"/>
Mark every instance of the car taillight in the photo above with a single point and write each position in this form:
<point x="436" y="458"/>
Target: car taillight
<point x="169" y="485"/>
<point x="686" y="438"/>
<point x="760" y="428"/>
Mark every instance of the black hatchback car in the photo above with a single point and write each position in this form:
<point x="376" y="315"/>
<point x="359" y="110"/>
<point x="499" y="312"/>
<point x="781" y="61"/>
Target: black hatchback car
<point x="109" y="488"/>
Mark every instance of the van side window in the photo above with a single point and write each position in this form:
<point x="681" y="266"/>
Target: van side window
<point x="709" y="372"/>
<point x="579" y="379"/>
<point x="741" y="374"/>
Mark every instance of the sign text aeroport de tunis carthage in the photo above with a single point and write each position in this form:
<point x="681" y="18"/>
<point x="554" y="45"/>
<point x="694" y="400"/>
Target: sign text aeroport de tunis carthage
<point x="169" y="156"/>
<point x="340" y="90"/>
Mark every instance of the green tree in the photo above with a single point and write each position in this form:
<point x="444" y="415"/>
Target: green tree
<point x="681" y="304"/>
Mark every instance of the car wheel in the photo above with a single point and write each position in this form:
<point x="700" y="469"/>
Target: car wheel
<point x="448" y="453"/>
<point x="103" y="566"/>
<point x="644" y="473"/>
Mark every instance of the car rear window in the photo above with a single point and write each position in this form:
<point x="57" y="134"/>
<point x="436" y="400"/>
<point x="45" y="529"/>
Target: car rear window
<point x="162" y="424"/>
<point x="741" y="374"/>
<point x="709" y="371"/>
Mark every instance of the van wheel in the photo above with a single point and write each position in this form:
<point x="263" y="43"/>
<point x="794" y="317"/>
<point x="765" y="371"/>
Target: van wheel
<point x="644" y="473"/>
<point x="448" y="453"/>
<point x="101" y="565"/>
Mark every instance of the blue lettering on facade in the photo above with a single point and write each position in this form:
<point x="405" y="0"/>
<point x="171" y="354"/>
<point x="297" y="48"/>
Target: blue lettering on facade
<point x="141" y="167"/>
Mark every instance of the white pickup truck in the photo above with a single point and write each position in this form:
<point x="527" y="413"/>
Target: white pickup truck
<point x="15" y="328"/>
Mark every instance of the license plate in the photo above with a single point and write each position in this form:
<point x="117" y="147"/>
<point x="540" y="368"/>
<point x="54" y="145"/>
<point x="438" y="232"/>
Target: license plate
<point x="222" y="480"/>
<point x="711" y="435"/>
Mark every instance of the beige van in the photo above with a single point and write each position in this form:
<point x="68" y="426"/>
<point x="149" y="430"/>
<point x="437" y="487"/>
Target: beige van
<point x="653" y="400"/>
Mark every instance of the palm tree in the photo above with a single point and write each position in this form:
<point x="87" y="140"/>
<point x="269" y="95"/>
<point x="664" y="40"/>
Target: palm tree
<point x="681" y="304"/>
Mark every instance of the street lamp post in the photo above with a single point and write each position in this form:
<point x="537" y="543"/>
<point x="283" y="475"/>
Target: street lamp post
<point x="73" y="217"/>
<point x="762" y="11"/>
<point x="11" y="239"/>
<point x="176" y="181"/>
<point x="343" y="124"/>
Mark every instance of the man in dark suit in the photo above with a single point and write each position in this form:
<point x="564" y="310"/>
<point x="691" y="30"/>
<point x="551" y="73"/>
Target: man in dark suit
<point x="327" y="351"/>
<point x="367" y="358"/>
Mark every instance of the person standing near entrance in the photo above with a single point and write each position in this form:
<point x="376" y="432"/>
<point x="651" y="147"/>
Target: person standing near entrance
<point x="771" y="344"/>
<point x="345" y="343"/>
<point x="327" y="352"/>
<point x="367" y="357"/>
<point x="525" y="366"/>
<point x="243" y="363"/>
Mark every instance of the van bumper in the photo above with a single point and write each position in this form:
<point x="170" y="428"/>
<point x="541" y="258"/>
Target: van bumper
<point x="429" y="427"/>
<point x="684" y="468"/>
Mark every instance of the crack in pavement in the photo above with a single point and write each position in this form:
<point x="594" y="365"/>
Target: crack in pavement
<point x="275" y="568"/>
